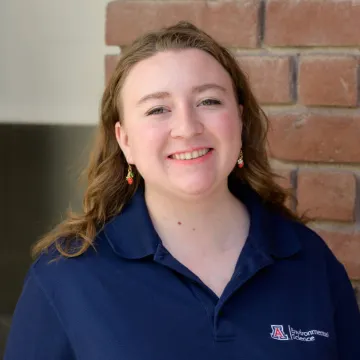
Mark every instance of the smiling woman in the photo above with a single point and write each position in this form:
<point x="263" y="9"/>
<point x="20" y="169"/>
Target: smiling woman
<point x="178" y="118"/>
<point x="185" y="248"/>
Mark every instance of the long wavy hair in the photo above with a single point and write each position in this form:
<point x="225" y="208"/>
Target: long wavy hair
<point x="107" y="190"/>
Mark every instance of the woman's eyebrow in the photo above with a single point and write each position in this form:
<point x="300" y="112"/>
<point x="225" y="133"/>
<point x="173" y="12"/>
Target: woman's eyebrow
<point x="195" y="89"/>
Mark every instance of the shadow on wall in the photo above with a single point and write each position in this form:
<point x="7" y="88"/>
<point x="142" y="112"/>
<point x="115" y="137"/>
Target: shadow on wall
<point x="40" y="165"/>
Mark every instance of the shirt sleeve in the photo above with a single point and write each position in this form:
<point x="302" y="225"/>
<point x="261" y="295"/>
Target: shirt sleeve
<point x="347" y="318"/>
<point x="36" y="331"/>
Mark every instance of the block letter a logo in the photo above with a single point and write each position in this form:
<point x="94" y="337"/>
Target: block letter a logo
<point x="278" y="332"/>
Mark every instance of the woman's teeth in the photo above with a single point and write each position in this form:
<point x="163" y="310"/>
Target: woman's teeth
<point x="190" y="155"/>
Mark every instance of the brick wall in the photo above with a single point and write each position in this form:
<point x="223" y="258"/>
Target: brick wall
<point x="302" y="59"/>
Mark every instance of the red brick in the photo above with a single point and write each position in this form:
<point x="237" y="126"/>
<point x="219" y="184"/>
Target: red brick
<point x="110" y="65"/>
<point x="312" y="23"/>
<point x="311" y="137"/>
<point x="326" y="195"/>
<point x="328" y="81"/>
<point x="285" y="180"/>
<point x="346" y="247"/>
<point x="270" y="77"/>
<point x="230" y="23"/>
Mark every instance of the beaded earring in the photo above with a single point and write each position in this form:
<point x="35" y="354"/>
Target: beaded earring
<point x="240" y="161"/>
<point x="130" y="175"/>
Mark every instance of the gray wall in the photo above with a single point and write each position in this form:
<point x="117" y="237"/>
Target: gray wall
<point x="40" y="165"/>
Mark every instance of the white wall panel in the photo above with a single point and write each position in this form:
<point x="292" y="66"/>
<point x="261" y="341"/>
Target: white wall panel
<point x="52" y="60"/>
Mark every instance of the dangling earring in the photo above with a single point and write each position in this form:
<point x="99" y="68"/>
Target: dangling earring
<point x="240" y="161"/>
<point x="130" y="175"/>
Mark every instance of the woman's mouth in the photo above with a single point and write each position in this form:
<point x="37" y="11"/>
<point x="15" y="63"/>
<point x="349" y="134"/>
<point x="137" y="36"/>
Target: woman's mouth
<point x="190" y="155"/>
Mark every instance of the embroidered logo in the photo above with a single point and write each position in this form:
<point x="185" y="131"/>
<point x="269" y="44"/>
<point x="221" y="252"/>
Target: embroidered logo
<point x="278" y="333"/>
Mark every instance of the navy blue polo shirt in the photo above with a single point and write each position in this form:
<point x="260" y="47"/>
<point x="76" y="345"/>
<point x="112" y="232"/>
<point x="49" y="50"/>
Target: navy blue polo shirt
<point x="289" y="298"/>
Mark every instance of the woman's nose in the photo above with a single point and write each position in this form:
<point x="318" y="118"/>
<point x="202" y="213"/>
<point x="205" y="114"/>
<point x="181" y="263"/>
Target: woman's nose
<point x="186" y="123"/>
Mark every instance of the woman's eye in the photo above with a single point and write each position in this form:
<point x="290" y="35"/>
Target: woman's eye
<point x="162" y="110"/>
<point x="208" y="102"/>
<point x="156" y="111"/>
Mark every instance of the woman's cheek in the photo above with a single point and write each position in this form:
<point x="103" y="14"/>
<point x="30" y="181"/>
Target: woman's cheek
<point x="228" y="126"/>
<point x="149" y="138"/>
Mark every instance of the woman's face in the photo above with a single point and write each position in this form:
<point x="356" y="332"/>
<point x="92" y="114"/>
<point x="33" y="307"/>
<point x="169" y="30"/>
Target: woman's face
<point x="181" y="122"/>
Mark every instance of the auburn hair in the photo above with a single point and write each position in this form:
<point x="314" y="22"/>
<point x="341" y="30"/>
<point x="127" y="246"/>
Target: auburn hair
<point x="107" y="190"/>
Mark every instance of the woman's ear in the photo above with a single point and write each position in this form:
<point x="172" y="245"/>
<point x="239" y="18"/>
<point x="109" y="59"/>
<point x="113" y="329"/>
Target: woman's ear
<point x="123" y="141"/>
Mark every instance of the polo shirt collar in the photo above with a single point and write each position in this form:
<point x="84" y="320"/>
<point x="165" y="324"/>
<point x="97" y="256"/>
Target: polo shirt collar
<point x="270" y="232"/>
<point x="132" y="235"/>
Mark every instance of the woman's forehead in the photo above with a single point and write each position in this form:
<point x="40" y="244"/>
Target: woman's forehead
<point x="175" y="69"/>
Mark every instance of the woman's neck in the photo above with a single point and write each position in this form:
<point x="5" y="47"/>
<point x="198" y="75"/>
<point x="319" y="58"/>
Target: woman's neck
<point x="213" y="224"/>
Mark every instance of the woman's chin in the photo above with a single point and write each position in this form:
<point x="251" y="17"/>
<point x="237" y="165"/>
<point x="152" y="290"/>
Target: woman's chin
<point x="195" y="188"/>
